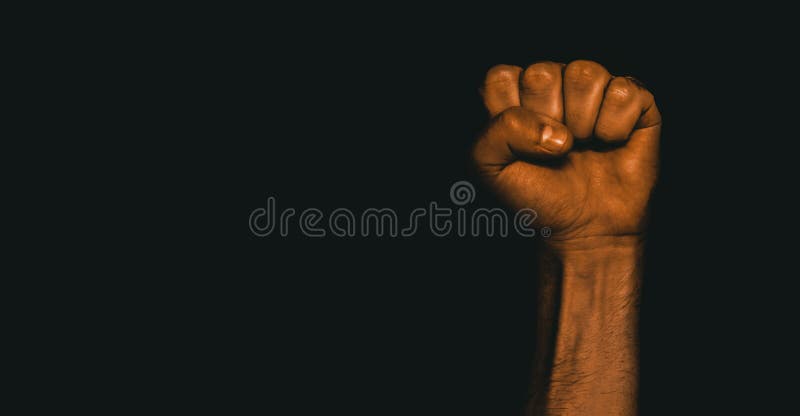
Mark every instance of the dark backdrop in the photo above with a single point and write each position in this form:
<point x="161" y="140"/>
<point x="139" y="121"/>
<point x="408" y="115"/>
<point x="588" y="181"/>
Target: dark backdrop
<point x="329" y="114"/>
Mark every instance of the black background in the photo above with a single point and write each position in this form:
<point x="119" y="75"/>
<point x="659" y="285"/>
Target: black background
<point x="327" y="114"/>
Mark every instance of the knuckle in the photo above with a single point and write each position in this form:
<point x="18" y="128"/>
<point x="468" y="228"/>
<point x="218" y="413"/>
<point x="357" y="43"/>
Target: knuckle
<point x="620" y="91"/>
<point x="584" y="72"/>
<point x="502" y="73"/>
<point x="542" y="74"/>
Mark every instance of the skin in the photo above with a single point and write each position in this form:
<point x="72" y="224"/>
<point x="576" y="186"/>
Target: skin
<point x="580" y="147"/>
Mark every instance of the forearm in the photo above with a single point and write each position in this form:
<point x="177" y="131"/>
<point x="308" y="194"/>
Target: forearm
<point x="587" y="358"/>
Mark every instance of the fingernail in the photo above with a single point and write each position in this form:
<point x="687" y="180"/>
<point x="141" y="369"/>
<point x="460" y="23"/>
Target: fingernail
<point x="552" y="142"/>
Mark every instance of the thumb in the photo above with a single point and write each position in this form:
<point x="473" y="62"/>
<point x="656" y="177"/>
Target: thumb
<point x="518" y="133"/>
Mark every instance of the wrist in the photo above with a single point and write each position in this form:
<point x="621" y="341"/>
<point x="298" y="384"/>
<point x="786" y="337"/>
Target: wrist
<point x="595" y="344"/>
<point x="600" y="271"/>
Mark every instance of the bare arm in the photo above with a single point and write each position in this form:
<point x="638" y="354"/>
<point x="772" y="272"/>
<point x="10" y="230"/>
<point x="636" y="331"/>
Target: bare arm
<point x="587" y="362"/>
<point x="581" y="148"/>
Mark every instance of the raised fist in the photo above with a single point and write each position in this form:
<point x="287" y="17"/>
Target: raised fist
<point x="572" y="142"/>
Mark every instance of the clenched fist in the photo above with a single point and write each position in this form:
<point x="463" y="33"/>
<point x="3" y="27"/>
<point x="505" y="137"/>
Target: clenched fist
<point x="572" y="142"/>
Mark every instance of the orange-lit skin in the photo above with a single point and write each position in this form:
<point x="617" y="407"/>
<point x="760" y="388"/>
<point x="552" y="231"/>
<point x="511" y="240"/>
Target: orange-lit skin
<point x="580" y="147"/>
